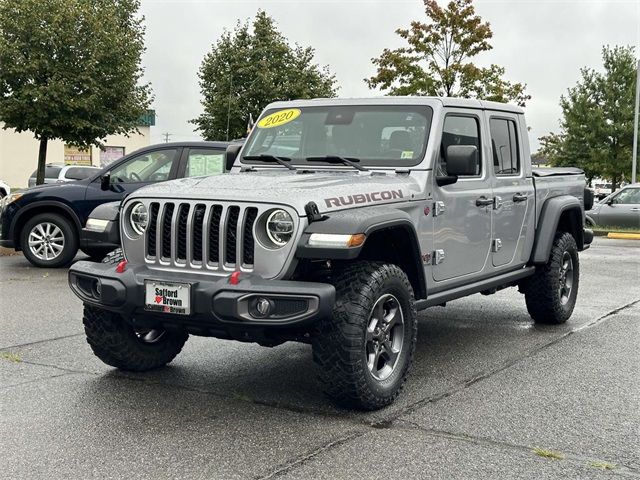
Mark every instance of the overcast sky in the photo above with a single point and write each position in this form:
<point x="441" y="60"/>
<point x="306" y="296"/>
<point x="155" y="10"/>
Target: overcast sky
<point x="542" y="43"/>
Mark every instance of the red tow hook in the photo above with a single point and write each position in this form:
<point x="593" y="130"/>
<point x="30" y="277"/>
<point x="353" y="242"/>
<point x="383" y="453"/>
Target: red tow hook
<point x="234" y="278"/>
<point x="121" y="266"/>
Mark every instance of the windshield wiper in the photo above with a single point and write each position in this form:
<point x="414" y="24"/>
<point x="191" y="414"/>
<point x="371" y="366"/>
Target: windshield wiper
<point x="337" y="159"/>
<point x="264" y="157"/>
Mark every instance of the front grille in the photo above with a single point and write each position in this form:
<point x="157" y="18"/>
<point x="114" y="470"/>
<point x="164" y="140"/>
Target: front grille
<point x="196" y="234"/>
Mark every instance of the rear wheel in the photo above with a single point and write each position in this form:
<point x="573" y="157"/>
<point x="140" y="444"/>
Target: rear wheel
<point x="117" y="343"/>
<point x="49" y="240"/>
<point x="364" y="352"/>
<point x="551" y="292"/>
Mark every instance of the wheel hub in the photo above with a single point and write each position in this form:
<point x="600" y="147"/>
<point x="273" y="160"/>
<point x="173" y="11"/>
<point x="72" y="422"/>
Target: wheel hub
<point x="565" y="278"/>
<point x="384" y="337"/>
<point x="46" y="241"/>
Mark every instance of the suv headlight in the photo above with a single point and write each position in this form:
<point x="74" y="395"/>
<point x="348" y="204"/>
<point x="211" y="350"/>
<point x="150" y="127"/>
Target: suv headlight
<point x="138" y="218"/>
<point x="279" y="227"/>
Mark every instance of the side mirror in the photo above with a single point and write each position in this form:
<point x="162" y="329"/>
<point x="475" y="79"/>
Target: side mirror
<point x="230" y="156"/>
<point x="462" y="160"/>
<point x="105" y="181"/>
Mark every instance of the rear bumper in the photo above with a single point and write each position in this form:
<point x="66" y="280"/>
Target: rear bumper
<point x="215" y="303"/>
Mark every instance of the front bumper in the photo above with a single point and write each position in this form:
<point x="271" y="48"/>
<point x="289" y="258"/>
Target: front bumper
<point x="215" y="302"/>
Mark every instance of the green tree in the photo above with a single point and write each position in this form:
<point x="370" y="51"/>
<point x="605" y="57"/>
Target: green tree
<point x="246" y="70"/>
<point x="437" y="59"/>
<point x="70" y="70"/>
<point x="596" y="129"/>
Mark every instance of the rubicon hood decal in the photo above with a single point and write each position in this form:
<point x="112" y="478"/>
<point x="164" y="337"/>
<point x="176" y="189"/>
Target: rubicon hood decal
<point x="359" y="198"/>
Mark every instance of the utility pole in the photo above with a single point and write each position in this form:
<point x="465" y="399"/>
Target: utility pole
<point x="166" y="136"/>
<point x="634" y="164"/>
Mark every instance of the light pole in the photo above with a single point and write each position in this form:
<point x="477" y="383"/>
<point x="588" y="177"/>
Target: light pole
<point x="634" y="163"/>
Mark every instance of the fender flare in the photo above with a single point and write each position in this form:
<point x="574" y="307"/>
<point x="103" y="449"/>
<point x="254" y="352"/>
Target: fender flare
<point x="368" y="221"/>
<point x="552" y="210"/>
<point x="43" y="203"/>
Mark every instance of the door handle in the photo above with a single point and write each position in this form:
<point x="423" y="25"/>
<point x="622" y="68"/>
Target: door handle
<point x="518" y="197"/>
<point x="484" y="201"/>
<point x="635" y="209"/>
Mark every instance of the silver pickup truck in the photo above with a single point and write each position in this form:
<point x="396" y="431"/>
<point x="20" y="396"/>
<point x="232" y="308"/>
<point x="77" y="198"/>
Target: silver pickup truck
<point x="339" y="220"/>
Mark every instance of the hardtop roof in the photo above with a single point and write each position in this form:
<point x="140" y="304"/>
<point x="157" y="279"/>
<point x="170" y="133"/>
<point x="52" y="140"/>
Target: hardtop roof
<point x="406" y="100"/>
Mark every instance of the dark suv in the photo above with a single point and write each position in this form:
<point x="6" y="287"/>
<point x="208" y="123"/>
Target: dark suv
<point x="46" y="221"/>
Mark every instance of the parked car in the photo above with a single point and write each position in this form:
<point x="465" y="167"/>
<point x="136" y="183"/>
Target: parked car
<point x="602" y="189"/>
<point x="382" y="207"/>
<point x="620" y="209"/>
<point x="59" y="173"/>
<point x="4" y="189"/>
<point x="46" y="221"/>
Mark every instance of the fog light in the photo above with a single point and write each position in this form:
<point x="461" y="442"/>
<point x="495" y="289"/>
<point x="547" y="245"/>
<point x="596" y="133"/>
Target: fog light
<point x="262" y="307"/>
<point x="97" y="289"/>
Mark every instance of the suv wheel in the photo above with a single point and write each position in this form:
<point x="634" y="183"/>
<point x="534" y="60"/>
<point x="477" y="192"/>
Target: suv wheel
<point x="552" y="291"/>
<point x="49" y="240"/>
<point x="364" y="352"/>
<point x="117" y="343"/>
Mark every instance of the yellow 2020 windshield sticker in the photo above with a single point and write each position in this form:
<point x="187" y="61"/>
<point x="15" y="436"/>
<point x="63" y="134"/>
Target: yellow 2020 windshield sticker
<point x="279" y="118"/>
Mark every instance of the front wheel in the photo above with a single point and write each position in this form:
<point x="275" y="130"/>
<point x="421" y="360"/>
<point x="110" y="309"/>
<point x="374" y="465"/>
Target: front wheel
<point x="49" y="240"/>
<point x="365" y="350"/>
<point x="117" y="343"/>
<point x="551" y="292"/>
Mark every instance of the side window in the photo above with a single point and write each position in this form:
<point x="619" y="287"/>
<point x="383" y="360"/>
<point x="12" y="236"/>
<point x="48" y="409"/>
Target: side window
<point x="204" y="162"/>
<point x="149" y="167"/>
<point x="504" y="145"/>
<point x="79" y="173"/>
<point x="459" y="130"/>
<point x="628" y="196"/>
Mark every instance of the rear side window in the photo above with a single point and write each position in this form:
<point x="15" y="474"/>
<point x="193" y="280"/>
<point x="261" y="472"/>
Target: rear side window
<point x="504" y="145"/>
<point x="205" y="162"/>
<point x="459" y="130"/>
<point x="49" y="172"/>
<point x="78" y="173"/>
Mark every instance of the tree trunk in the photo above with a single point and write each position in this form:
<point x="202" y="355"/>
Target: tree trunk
<point x="42" y="160"/>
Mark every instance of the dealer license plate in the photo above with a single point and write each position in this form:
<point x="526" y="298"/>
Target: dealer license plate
<point x="166" y="297"/>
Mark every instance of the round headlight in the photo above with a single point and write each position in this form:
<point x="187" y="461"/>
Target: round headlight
<point x="139" y="218"/>
<point x="279" y="227"/>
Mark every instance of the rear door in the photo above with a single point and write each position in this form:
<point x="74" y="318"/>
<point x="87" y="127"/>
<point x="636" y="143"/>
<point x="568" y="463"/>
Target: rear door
<point x="462" y="211"/>
<point x="512" y="189"/>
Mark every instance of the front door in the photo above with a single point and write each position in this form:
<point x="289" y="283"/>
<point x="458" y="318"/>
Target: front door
<point x="462" y="211"/>
<point x="623" y="209"/>
<point x="513" y="191"/>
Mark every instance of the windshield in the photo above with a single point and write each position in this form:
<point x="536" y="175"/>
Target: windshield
<point x="391" y="136"/>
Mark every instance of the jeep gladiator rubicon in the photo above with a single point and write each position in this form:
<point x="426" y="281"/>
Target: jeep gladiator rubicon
<point x="339" y="220"/>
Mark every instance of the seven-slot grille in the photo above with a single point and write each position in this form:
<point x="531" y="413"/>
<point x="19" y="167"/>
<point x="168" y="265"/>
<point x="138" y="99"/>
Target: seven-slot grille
<point x="196" y="234"/>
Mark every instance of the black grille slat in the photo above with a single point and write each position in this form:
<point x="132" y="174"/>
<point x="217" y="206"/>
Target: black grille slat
<point x="247" y="237"/>
<point x="198" y="222"/>
<point x="214" y="234"/>
<point x="231" y="235"/>
<point x="183" y="216"/>
<point x="166" y="230"/>
<point x="201" y="235"/>
<point x="153" y="228"/>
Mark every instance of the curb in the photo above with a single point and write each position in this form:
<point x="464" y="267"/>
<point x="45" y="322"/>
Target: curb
<point x="624" y="236"/>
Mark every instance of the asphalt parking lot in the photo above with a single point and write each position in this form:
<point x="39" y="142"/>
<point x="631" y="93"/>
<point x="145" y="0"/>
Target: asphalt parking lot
<point x="487" y="388"/>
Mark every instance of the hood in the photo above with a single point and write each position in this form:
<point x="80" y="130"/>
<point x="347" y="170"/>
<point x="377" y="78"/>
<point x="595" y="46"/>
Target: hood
<point x="331" y="191"/>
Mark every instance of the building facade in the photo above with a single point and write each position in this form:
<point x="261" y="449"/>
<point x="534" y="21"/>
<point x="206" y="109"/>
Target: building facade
<point x="19" y="151"/>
